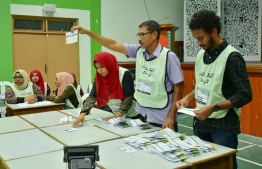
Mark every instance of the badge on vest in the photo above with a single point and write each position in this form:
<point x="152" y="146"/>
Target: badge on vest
<point x="202" y="96"/>
<point x="144" y="87"/>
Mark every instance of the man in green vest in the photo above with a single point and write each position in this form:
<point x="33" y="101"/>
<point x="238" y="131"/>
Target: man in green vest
<point x="158" y="72"/>
<point x="222" y="84"/>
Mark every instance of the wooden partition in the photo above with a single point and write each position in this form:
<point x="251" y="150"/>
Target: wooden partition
<point x="251" y="116"/>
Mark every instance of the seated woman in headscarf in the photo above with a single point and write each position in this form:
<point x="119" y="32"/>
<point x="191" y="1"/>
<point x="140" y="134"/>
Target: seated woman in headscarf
<point x="77" y="86"/>
<point x="65" y="92"/>
<point x="112" y="91"/>
<point x="22" y="90"/>
<point x="36" y="77"/>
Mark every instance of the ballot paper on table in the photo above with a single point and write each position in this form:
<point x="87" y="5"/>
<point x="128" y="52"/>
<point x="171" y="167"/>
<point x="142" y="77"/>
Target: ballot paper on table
<point x="71" y="37"/>
<point x="138" y="124"/>
<point x="119" y="122"/>
<point x="187" y="111"/>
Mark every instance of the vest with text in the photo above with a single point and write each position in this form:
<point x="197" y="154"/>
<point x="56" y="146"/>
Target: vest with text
<point x="209" y="78"/>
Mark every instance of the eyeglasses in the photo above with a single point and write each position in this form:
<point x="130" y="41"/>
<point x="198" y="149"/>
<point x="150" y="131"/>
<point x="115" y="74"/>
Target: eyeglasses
<point x="142" y="34"/>
<point x="18" y="77"/>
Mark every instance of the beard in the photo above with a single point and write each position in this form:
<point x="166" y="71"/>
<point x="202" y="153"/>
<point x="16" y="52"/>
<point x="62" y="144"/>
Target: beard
<point x="209" y="45"/>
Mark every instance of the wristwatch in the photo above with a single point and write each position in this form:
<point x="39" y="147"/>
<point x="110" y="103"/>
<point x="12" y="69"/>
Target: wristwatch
<point x="216" y="107"/>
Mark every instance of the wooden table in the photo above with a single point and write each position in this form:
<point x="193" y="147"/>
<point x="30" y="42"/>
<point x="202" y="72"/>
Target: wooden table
<point x="112" y="157"/>
<point x="16" y="109"/>
<point x="17" y="150"/>
<point x="222" y="158"/>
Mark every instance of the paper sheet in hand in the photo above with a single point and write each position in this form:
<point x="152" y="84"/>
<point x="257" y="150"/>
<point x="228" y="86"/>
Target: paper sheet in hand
<point x="71" y="37"/>
<point x="187" y="111"/>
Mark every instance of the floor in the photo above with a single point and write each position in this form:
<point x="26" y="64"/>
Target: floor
<point x="249" y="147"/>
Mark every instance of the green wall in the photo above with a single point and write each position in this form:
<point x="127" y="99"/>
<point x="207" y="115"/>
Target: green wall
<point x="6" y="47"/>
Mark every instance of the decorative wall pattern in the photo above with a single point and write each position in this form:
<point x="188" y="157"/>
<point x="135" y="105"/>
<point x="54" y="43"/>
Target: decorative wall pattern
<point x="191" y="48"/>
<point x="242" y="27"/>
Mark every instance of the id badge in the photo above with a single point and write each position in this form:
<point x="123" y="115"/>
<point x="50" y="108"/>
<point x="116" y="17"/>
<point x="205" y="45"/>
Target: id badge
<point x="144" y="87"/>
<point x="202" y="96"/>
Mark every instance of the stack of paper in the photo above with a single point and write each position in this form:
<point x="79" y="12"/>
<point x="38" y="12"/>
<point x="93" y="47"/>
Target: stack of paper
<point x="169" y="145"/>
<point x="168" y="151"/>
<point x="138" y="124"/>
<point x="187" y="111"/>
<point x="189" y="150"/>
<point x="202" y="146"/>
<point x="119" y="122"/>
<point x="138" y="141"/>
<point x="172" y="134"/>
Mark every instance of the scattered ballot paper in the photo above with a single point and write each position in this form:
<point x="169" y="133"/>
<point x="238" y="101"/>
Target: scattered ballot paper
<point x="71" y="129"/>
<point x="187" y="111"/>
<point x="65" y="119"/>
<point x="128" y="149"/>
<point x="72" y="37"/>
<point x="138" y="124"/>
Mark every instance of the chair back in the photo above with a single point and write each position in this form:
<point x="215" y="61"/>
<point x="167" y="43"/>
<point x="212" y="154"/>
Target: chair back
<point x="3" y="85"/>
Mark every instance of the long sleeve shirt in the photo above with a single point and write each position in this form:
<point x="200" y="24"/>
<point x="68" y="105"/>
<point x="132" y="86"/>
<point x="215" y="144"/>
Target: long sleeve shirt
<point x="235" y="87"/>
<point x="12" y="99"/>
<point x="69" y="93"/>
<point x="128" y="88"/>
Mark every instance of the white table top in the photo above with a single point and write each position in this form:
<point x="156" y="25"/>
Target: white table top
<point x="26" y="143"/>
<point x="94" y="113"/>
<point x="46" y="119"/>
<point x="37" y="104"/>
<point x="51" y="160"/>
<point x="125" y="132"/>
<point x="112" y="157"/>
<point x="13" y="123"/>
<point x="84" y="135"/>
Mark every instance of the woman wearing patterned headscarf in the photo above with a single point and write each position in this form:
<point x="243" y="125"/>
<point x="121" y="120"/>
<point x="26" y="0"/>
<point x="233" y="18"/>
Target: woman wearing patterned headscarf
<point x="22" y="90"/>
<point x="36" y="77"/>
<point x="66" y="92"/>
<point x="112" y="91"/>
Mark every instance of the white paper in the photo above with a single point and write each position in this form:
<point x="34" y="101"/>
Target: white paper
<point x="42" y="103"/>
<point x="187" y="111"/>
<point x="71" y="129"/>
<point x="72" y="37"/>
<point x="128" y="149"/>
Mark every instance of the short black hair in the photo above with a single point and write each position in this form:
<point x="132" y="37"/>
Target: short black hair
<point x="206" y="20"/>
<point x="151" y="26"/>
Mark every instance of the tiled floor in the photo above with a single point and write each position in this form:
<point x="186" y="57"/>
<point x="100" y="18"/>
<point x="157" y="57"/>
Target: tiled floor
<point x="249" y="147"/>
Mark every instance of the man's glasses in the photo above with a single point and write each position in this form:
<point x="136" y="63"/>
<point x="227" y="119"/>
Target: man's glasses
<point x="18" y="77"/>
<point x="142" y="34"/>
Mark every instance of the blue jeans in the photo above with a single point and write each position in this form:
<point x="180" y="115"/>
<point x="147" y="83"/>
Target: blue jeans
<point x="224" y="138"/>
